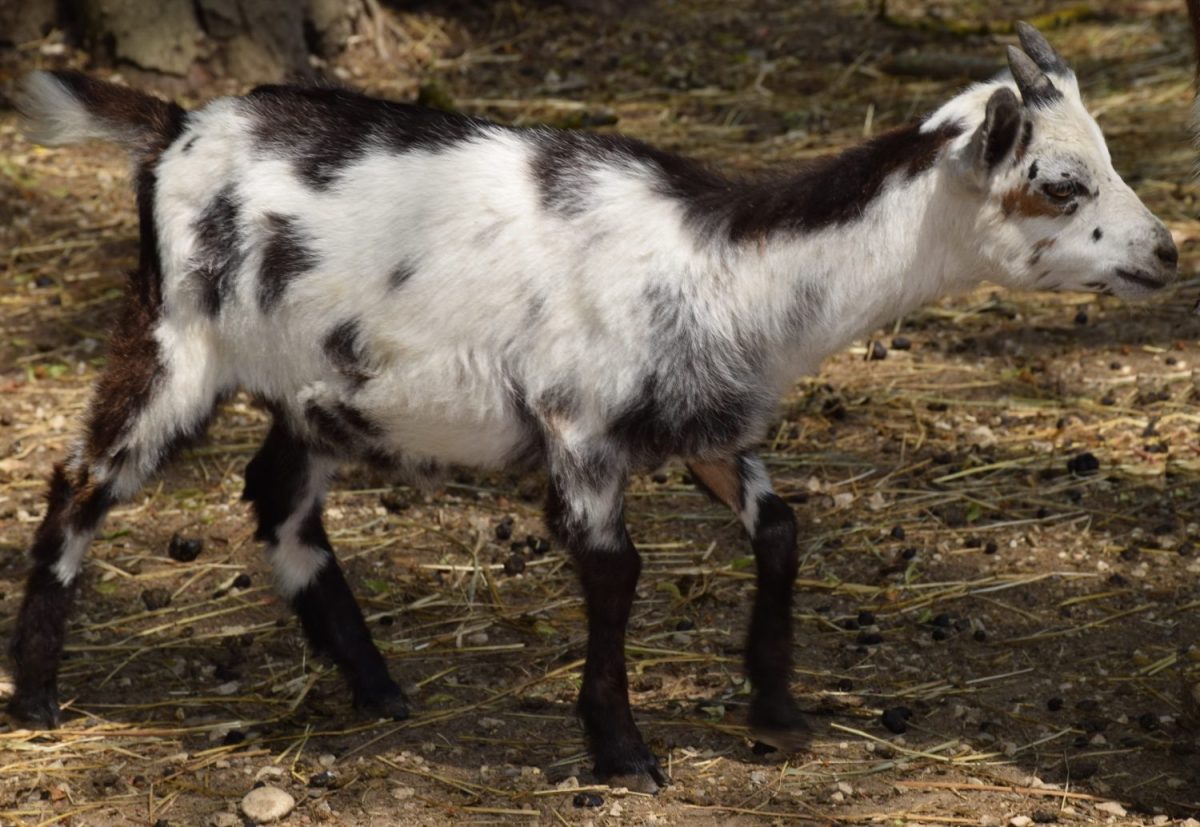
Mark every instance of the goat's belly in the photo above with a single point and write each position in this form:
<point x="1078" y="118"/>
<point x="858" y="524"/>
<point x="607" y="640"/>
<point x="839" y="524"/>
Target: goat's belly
<point x="411" y="434"/>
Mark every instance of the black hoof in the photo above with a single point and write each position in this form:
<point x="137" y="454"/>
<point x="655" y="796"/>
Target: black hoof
<point x="780" y="725"/>
<point x="35" y="711"/>
<point x="639" y="772"/>
<point x="389" y="704"/>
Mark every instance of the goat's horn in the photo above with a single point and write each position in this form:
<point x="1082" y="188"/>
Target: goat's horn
<point x="1038" y="48"/>
<point x="1034" y="85"/>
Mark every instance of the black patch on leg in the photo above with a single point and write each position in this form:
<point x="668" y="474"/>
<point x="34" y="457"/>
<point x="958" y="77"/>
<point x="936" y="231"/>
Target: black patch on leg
<point x="286" y="255"/>
<point x="773" y="711"/>
<point x="275" y="480"/>
<point x="334" y="627"/>
<point x="218" y="249"/>
<point x="609" y="578"/>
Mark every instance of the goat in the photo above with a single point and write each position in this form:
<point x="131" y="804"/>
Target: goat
<point x="416" y="289"/>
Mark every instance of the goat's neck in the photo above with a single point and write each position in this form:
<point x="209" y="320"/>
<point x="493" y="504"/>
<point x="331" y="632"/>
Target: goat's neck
<point x="912" y="245"/>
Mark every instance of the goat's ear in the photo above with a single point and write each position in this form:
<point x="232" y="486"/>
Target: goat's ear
<point x="997" y="136"/>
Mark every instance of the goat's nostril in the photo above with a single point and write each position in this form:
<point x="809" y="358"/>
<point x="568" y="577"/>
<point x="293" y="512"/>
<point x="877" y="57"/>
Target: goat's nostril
<point x="1167" y="254"/>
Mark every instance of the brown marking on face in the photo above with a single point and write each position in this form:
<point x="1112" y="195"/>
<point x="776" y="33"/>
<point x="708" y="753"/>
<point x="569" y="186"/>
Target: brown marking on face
<point x="721" y="480"/>
<point x="1039" y="247"/>
<point x="1025" y="202"/>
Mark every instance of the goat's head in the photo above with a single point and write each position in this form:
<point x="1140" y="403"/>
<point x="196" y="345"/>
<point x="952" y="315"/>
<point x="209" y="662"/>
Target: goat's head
<point x="1055" y="214"/>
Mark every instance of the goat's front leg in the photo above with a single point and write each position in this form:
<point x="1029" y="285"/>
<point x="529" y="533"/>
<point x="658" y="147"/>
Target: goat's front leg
<point x="742" y="484"/>
<point x="585" y="512"/>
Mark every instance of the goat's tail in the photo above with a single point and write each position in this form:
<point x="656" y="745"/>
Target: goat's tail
<point x="70" y="107"/>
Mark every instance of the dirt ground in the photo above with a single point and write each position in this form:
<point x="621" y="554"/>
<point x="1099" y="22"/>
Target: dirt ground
<point x="1041" y="626"/>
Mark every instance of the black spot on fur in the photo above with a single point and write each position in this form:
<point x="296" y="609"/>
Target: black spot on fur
<point x="340" y="429"/>
<point x="827" y="192"/>
<point x="343" y="348"/>
<point x="188" y="144"/>
<point x="218" y="249"/>
<point x="286" y="255"/>
<point x="1033" y="170"/>
<point x="1097" y="234"/>
<point x="326" y="130"/>
<point x="399" y="276"/>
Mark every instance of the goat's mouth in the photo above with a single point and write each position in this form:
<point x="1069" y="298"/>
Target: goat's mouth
<point x="1141" y="278"/>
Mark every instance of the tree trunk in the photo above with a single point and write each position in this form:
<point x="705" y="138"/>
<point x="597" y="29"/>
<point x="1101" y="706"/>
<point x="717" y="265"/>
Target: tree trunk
<point x="251" y="40"/>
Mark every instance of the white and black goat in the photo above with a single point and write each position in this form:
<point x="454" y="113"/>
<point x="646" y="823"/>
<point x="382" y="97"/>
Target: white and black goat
<point x="417" y="289"/>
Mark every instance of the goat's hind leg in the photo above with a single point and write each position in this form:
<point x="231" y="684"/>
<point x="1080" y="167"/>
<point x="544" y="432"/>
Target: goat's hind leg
<point x="141" y="411"/>
<point x="286" y="483"/>
<point x="742" y="484"/>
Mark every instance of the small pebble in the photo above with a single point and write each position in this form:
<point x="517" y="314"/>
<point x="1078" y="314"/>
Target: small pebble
<point x="267" y="804"/>
<point x="155" y="599"/>
<point x="901" y="343"/>
<point x="184" y="550"/>
<point x="587" y="800"/>
<point x="876" y="351"/>
<point x="896" y="718"/>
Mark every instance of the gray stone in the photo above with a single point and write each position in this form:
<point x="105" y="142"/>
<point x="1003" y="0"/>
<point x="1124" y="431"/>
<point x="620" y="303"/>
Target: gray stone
<point x="267" y="804"/>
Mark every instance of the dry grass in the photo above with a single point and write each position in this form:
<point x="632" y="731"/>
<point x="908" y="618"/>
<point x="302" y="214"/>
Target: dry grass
<point x="961" y="441"/>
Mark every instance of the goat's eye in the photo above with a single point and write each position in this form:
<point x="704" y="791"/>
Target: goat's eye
<point x="1060" y="190"/>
